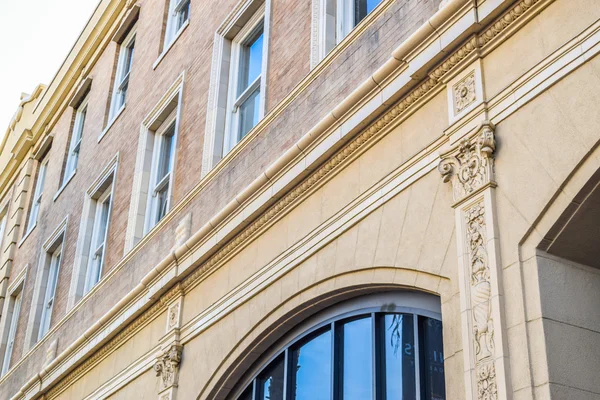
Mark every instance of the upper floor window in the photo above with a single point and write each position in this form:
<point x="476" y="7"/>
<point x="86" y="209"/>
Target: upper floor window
<point x="179" y="14"/>
<point x="124" y="63"/>
<point x="152" y="192"/>
<point x="36" y="200"/>
<point x="161" y="176"/>
<point x="384" y="351"/>
<point x="75" y="144"/>
<point x="3" y="223"/>
<point x="50" y="282"/>
<point x="11" y="316"/>
<point x="102" y="206"/>
<point x="334" y="21"/>
<point x="237" y="93"/>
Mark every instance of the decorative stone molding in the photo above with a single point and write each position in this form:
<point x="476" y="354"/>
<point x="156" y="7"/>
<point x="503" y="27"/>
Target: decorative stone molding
<point x="464" y="93"/>
<point x="183" y="230"/>
<point x="174" y="315"/>
<point x="470" y="166"/>
<point x="167" y="367"/>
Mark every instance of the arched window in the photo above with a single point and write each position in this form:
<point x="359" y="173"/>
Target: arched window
<point x="383" y="347"/>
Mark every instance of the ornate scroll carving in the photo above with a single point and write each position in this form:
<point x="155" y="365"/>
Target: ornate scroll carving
<point x="471" y="165"/>
<point x="167" y="366"/>
<point x="486" y="382"/>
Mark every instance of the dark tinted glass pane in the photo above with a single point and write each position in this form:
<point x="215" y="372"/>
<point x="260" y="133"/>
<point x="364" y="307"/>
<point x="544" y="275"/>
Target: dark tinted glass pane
<point x="271" y="381"/>
<point x="311" y="366"/>
<point x="247" y="395"/>
<point x="356" y="346"/>
<point x="399" y="357"/>
<point x="251" y="62"/>
<point x="362" y="8"/>
<point x="432" y="359"/>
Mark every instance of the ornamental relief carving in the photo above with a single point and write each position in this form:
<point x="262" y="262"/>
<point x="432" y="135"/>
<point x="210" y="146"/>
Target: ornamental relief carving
<point x="167" y="366"/>
<point x="471" y="165"/>
<point x="464" y="93"/>
<point x="487" y="388"/>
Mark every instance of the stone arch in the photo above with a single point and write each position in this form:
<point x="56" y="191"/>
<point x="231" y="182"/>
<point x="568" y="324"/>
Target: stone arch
<point x="304" y="304"/>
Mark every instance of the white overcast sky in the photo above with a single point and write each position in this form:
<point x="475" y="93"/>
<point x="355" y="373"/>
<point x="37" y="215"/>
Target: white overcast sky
<point x="35" y="37"/>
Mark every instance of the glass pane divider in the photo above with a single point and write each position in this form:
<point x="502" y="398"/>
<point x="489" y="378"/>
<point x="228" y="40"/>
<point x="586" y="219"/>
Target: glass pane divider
<point x="417" y="352"/>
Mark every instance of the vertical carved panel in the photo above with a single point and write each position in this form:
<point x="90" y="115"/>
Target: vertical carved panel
<point x="470" y="168"/>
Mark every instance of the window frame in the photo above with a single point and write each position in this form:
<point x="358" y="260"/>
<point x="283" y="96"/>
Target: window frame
<point x="15" y="300"/>
<point x="38" y="192"/>
<point x="174" y="24"/>
<point x="156" y="184"/>
<point x="76" y="139"/>
<point x="418" y="304"/>
<point x="56" y="259"/>
<point x="122" y="76"/>
<point x="93" y="271"/>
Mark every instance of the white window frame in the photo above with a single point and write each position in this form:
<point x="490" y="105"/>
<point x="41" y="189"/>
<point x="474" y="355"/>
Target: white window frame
<point x="102" y="188"/>
<point x="99" y="236"/>
<point x="122" y="76"/>
<point x="175" y="23"/>
<point x="222" y="129"/>
<point x="56" y="258"/>
<point x="332" y="21"/>
<point x="40" y="315"/>
<point x="76" y="139"/>
<point x="157" y="185"/>
<point x="3" y="225"/>
<point x="10" y="321"/>
<point x="37" y="194"/>
<point x="139" y="222"/>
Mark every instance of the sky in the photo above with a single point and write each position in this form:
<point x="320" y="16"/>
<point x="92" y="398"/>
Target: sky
<point x="35" y="38"/>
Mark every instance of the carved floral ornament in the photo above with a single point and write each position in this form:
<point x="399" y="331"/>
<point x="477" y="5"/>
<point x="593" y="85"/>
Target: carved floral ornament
<point x="470" y="166"/>
<point x="167" y="366"/>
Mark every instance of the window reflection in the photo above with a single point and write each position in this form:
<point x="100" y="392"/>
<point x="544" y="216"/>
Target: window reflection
<point x="312" y="366"/>
<point x="357" y="356"/>
<point x="432" y="359"/>
<point x="399" y="355"/>
<point x="271" y="381"/>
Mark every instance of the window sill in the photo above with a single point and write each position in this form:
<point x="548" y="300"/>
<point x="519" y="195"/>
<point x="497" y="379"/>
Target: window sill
<point x="111" y="123"/>
<point x="26" y="235"/>
<point x="63" y="186"/>
<point x="168" y="47"/>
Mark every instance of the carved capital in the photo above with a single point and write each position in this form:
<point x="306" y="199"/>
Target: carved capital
<point x="167" y="366"/>
<point x="470" y="164"/>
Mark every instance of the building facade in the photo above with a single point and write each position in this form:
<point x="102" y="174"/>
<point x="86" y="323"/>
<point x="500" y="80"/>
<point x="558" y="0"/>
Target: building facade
<point x="308" y="199"/>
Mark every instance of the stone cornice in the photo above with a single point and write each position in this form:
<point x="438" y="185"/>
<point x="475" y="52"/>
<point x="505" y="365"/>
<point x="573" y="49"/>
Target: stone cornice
<point x="284" y="163"/>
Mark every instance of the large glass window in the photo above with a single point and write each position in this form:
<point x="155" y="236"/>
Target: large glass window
<point x="119" y="94"/>
<point x="37" y="194"/>
<point x="50" y="286"/>
<point x="75" y="145"/>
<point x="367" y="354"/>
<point x="102" y="207"/>
<point x="14" y="309"/>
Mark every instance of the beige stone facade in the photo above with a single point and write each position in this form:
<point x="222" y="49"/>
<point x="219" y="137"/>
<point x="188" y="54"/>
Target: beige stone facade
<point x="442" y="159"/>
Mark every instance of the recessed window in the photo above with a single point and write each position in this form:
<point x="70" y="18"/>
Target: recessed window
<point x="46" y="283"/>
<point x="334" y="21"/>
<point x="102" y="208"/>
<point x="124" y="63"/>
<point x="152" y="192"/>
<point x="75" y="144"/>
<point x="3" y="223"/>
<point x="362" y="354"/>
<point x="179" y="14"/>
<point x="237" y="92"/>
<point x="50" y="282"/>
<point x="12" y="316"/>
<point x="37" y="193"/>
<point x="161" y="176"/>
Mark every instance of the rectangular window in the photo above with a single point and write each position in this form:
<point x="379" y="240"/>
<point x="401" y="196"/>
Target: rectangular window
<point x="37" y="194"/>
<point x="50" y="292"/>
<point x="244" y="100"/>
<point x="179" y="14"/>
<point x="14" y="309"/>
<point x="119" y="94"/>
<point x="3" y="222"/>
<point x="75" y="145"/>
<point x="98" y="244"/>
<point x="161" y="173"/>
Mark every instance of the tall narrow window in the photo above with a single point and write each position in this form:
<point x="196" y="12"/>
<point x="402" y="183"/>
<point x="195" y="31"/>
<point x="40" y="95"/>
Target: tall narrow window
<point x="3" y="222"/>
<point x="75" y="145"/>
<point x="161" y="174"/>
<point x="14" y="309"/>
<point x="98" y="245"/>
<point x="37" y="194"/>
<point x="50" y="291"/>
<point x="119" y="94"/>
<point x="245" y="101"/>
<point x="179" y="14"/>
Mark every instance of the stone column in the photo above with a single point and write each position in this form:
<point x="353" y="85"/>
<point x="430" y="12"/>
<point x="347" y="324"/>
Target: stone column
<point x="469" y="166"/>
